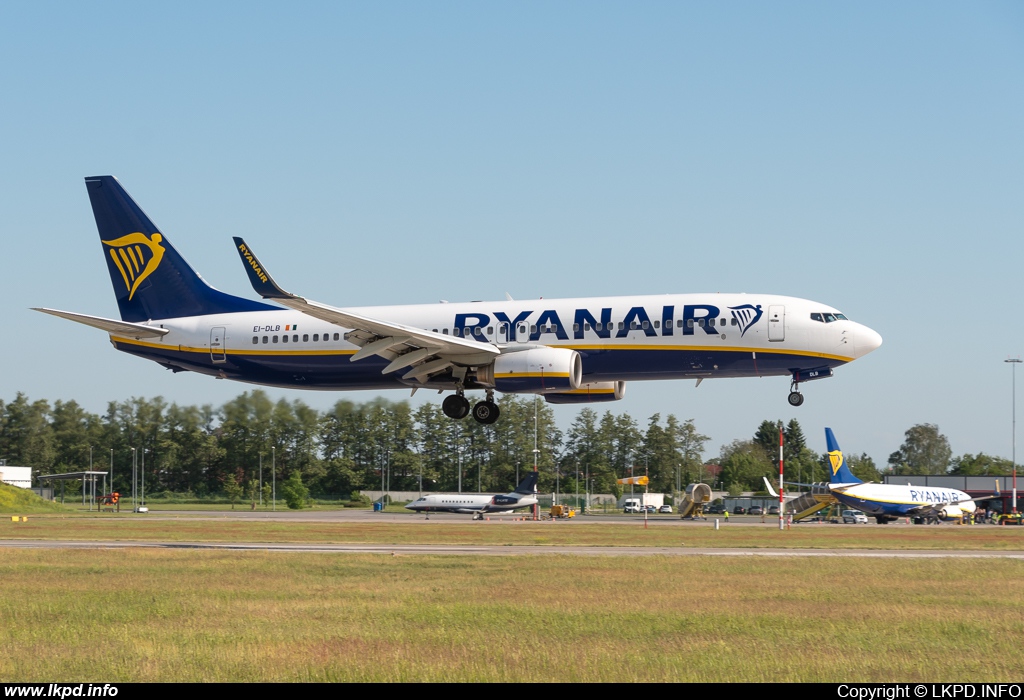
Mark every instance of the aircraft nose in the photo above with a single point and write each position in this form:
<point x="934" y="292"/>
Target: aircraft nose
<point x="867" y="341"/>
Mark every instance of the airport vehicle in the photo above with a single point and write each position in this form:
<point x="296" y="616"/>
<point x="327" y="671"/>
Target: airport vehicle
<point x="479" y="504"/>
<point x="632" y="505"/>
<point x="562" y="511"/>
<point x="570" y="351"/>
<point x="886" y="502"/>
<point x="854" y="516"/>
<point x="665" y="509"/>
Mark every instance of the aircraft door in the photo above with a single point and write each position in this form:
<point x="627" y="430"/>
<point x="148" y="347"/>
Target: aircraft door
<point x="523" y="332"/>
<point x="217" y="344"/>
<point x="776" y="324"/>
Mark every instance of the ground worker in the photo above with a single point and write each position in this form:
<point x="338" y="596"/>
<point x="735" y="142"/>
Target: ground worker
<point x="726" y="514"/>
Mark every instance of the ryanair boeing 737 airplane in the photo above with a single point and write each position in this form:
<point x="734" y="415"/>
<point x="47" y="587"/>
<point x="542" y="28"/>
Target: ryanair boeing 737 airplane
<point x="567" y="350"/>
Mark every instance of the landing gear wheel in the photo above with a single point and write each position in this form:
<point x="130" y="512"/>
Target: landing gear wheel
<point x="795" y="398"/>
<point x="486" y="412"/>
<point x="455" y="406"/>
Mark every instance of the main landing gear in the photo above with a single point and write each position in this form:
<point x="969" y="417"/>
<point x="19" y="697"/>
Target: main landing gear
<point x="485" y="412"/>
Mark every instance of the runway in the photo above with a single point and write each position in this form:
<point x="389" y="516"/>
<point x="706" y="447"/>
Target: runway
<point x="510" y="550"/>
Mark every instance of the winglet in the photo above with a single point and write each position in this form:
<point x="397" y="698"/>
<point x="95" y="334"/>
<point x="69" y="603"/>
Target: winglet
<point x="840" y="472"/>
<point x="768" y="485"/>
<point x="260" y="279"/>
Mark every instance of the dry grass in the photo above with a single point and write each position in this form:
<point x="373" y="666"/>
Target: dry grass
<point x="418" y="531"/>
<point x="146" y="615"/>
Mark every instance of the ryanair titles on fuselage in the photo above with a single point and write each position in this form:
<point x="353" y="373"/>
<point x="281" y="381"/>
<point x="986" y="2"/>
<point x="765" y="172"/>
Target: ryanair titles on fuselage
<point x="693" y="317"/>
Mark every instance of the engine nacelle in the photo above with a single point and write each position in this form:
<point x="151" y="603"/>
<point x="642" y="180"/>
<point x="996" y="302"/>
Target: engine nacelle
<point x="595" y="392"/>
<point x="953" y="512"/>
<point x="534" y="371"/>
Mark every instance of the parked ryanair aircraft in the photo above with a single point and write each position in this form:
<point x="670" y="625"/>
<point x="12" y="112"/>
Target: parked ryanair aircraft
<point x="568" y="350"/>
<point x="479" y="503"/>
<point x="885" y="502"/>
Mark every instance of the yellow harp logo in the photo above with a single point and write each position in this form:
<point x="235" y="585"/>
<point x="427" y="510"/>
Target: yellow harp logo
<point x="136" y="257"/>
<point x="835" y="458"/>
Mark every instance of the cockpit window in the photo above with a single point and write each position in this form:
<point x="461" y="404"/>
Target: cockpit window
<point x="827" y="317"/>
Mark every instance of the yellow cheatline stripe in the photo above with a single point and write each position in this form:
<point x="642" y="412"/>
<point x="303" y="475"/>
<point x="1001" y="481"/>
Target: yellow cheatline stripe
<point x="590" y="391"/>
<point x="706" y="348"/>
<point x="185" y="348"/>
<point x="113" y="256"/>
<point x="552" y="375"/>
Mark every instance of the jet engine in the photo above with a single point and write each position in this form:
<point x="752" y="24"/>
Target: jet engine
<point x="534" y="371"/>
<point x="595" y="392"/>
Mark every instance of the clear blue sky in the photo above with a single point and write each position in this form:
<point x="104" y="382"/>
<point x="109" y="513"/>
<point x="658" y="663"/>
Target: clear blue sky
<point x="866" y="155"/>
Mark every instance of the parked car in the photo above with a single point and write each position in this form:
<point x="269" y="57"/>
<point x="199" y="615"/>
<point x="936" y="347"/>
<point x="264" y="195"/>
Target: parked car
<point x="854" y="516"/>
<point x="755" y="510"/>
<point x="714" y="509"/>
<point x="665" y="509"/>
<point x="650" y="508"/>
<point x="774" y="510"/>
<point x="632" y="508"/>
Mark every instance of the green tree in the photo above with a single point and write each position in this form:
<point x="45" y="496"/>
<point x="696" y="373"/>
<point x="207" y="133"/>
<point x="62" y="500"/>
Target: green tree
<point x="981" y="464"/>
<point x="295" y="492"/>
<point x="232" y="489"/>
<point x="924" y="451"/>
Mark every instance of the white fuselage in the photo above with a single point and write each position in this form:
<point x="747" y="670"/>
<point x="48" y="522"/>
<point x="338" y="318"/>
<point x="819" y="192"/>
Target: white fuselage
<point x="618" y="338"/>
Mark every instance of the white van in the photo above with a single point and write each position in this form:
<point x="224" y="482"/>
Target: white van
<point x="632" y="505"/>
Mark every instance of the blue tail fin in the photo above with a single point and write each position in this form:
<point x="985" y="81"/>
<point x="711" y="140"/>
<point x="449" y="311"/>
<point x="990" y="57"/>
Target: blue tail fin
<point x="528" y="485"/>
<point x="151" y="280"/>
<point x="840" y="473"/>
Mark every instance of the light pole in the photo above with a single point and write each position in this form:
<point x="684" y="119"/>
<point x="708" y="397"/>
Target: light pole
<point x="1014" y="361"/>
<point x="111" y="470"/>
<point x="459" y="449"/>
<point x="142" y="500"/>
<point x="135" y="477"/>
<point x="273" y="477"/>
<point x="261" y="479"/>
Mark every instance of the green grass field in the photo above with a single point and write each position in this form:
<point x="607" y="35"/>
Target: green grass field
<point x="156" y="615"/>
<point x="127" y="527"/>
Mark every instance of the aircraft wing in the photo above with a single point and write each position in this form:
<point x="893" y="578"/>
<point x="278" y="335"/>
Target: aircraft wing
<point x="424" y="351"/>
<point x="123" y="328"/>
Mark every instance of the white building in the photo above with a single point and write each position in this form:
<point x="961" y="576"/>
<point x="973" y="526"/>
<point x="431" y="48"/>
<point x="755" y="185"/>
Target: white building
<point x="16" y="476"/>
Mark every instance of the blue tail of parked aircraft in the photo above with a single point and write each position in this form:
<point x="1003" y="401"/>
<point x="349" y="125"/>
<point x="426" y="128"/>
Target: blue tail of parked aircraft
<point x="528" y="485"/>
<point x="151" y="280"/>
<point x="840" y="473"/>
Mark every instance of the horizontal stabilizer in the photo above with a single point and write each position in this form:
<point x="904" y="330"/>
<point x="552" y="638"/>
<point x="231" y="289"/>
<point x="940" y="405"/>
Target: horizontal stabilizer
<point x="131" y="330"/>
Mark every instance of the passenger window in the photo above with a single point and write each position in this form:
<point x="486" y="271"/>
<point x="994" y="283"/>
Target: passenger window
<point x="645" y="325"/>
<point x="721" y="321"/>
<point x="433" y="330"/>
<point x="305" y="337"/>
<point x="700" y="322"/>
<point x="444" y="331"/>
<point x="265" y="339"/>
<point x="621" y="325"/>
<point x="275" y="338"/>
<point x="679" y="323"/>
<point x="689" y="323"/>
<point x="734" y="322"/>
<point x="455" y="331"/>
<point x="533" y="329"/>
<point x="657" y="324"/>
<point x="633" y="325"/>
<point x="575" y="327"/>
<point x="586" y="326"/>
<point x="255" y="340"/>
<point x="337" y="337"/>
<point x="284" y="339"/>
<point x="599" y="327"/>
<point x="490" y="330"/>
<point x="295" y="338"/>
<point x="316" y="337"/>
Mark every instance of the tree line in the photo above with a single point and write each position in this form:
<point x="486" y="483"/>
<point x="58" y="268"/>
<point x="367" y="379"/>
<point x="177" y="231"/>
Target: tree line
<point x="356" y="446"/>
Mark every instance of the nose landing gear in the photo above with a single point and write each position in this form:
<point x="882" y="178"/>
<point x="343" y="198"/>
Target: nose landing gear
<point x="795" y="397"/>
